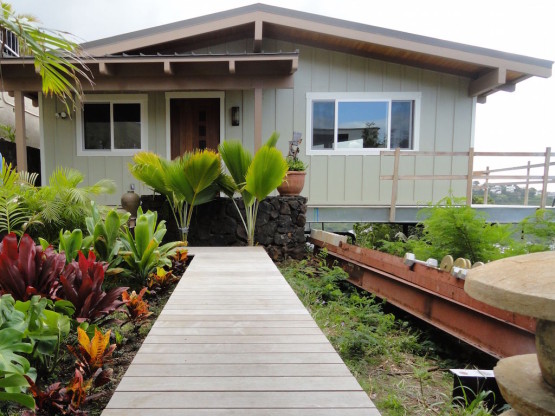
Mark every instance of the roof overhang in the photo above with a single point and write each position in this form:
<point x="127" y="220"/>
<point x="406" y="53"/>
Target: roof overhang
<point x="169" y="72"/>
<point x="489" y="70"/>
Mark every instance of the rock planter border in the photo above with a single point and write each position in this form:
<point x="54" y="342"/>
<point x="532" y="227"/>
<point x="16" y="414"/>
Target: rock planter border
<point x="279" y="227"/>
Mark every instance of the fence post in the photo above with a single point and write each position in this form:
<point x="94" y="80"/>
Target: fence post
<point x="470" y="174"/>
<point x="394" y="185"/>
<point x="545" y="176"/>
<point x="526" y="191"/>
<point x="486" y="186"/>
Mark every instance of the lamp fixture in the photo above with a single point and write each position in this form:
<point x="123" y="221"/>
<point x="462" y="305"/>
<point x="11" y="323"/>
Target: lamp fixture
<point x="62" y="115"/>
<point x="235" y="116"/>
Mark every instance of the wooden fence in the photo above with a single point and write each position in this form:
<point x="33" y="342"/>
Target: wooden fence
<point x="488" y="175"/>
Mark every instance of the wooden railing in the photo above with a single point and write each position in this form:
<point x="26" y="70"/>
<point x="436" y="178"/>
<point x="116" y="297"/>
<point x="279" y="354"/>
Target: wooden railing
<point x="488" y="175"/>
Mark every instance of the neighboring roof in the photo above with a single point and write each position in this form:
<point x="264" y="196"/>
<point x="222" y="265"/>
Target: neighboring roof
<point x="491" y="70"/>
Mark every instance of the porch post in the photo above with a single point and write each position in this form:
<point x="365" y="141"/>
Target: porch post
<point x="257" y="118"/>
<point x="20" y="144"/>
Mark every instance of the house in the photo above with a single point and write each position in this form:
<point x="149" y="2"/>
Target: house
<point x="352" y="90"/>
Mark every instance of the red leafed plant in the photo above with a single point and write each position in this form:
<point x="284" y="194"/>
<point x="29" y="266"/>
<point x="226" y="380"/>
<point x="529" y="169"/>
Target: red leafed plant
<point x="93" y="354"/>
<point x="137" y="308"/>
<point x="60" y="400"/>
<point x="82" y="285"/>
<point x="28" y="270"/>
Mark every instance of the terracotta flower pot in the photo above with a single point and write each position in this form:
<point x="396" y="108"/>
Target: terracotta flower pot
<point x="293" y="183"/>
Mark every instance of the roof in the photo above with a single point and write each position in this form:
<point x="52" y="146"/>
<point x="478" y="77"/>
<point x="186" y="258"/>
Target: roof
<point x="490" y="70"/>
<point x="146" y="56"/>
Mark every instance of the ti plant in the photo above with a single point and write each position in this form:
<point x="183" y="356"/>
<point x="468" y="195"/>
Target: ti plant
<point x="29" y="270"/>
<point x="143" y="253"/>
<point x="82" y="285"/>
<point x="137" y="308"/>
<point x="187" y="181"/>
<point x="253" y="178"/>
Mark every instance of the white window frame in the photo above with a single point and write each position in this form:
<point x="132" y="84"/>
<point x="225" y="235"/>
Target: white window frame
<point x="338" y="97"/>
<point x="111" y="99"/>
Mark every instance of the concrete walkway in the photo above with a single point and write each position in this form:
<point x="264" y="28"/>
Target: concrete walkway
<point x="234" y="339"/>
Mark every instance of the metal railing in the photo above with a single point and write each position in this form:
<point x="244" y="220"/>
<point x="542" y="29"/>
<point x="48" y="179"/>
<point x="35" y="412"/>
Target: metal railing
<point x="488" y="175"/>
<point x="10" y="43"/>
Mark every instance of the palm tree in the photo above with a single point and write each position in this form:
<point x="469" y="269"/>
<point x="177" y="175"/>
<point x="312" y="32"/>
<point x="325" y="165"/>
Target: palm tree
<point x="58" y="59"/>
<point x="187" y="181"/>
<point x="253" y="178"/>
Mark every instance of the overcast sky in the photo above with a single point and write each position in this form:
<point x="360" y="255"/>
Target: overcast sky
<point x="518" y="121"/>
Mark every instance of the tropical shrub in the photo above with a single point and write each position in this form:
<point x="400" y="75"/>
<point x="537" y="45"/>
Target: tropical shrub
<point x="27" y="328"/>
<point x="63" y="204"/>
<point x="93" y="354"/>
<point x="451" y="227"/>
<point x="187" y="181"/>
<point x="46" y="330"/>
<point x="137" y="308"/>
<point x="15" y="215"/>
<point x="104" y="235"/>
<point x="70" y="243"/>
<point x="29" y="270"/>
<point x="161" y="279"/>
<point x="142" y="252"/>
<point x="253" y="178"/>
<point x="538" y="231"/>
<point x="82" y="285"/>
<point x="13" y="365"/>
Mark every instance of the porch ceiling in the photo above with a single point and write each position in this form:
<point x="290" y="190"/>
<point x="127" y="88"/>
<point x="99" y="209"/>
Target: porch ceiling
<point x="161" y="72"/>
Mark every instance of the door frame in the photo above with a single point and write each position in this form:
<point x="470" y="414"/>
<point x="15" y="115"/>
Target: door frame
<point x="193" y="94"/>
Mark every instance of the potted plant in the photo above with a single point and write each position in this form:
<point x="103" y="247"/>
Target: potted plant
<point x="294" y="180"/>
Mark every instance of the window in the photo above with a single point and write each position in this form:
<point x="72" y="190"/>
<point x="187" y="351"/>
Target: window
<point x="112" y="125"/>
<point x="359" y="123"/>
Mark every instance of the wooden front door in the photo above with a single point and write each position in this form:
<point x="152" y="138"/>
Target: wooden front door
<point x="195" y="124"/>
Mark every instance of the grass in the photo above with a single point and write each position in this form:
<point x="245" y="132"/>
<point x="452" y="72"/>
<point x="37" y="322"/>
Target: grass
<point x="402" y="371"/>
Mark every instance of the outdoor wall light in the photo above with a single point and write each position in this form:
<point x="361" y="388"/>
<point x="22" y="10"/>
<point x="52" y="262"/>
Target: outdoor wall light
<point x="62" y="115"/>
<point x="235" y="116"/>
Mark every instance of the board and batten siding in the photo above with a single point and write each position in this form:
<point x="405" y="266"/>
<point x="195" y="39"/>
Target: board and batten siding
<point x="446" y="124"/>
<point x="60" y="142"/>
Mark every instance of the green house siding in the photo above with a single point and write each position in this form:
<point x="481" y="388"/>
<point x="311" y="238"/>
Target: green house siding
<point x="445" y="125"/>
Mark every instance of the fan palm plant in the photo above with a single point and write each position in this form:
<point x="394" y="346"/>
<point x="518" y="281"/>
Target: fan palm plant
<point x="253" y="178"/>
<point x="187" y="181"/>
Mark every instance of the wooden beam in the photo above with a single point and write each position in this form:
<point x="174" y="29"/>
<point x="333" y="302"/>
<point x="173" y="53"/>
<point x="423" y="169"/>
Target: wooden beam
<point x="257" y="118"/>
<point x="168" y="69"/>
<point x="394" y="185"/>
<point x="20" y="143"/>
<point x="105" y="69"/>
<point x="232" y="66"/>
<point x="174" y="83"/>
<point x="506" y="88"/>
<point x="257" y="45"/>
<point x="469" y="173"/>
<point x="545" y="177"/>
<point x="487" y="82"/>
<point x="294" y="65"/>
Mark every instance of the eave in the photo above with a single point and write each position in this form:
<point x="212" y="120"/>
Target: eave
<point x="489" y="70"/>
<point x="168" y="72"/>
